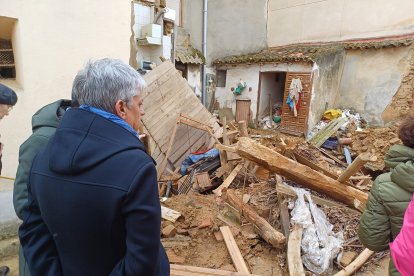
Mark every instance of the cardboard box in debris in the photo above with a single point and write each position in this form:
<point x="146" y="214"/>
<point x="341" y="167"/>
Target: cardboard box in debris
<point x="196" y="154"/>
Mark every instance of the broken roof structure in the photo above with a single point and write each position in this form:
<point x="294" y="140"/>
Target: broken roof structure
<point x="310" y="52"/>
<point x="367" y="75"/>
<point x="167" y="97"/>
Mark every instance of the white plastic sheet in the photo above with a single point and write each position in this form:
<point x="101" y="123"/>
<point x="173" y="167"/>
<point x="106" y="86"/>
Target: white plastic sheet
<point x="320" y="245"/>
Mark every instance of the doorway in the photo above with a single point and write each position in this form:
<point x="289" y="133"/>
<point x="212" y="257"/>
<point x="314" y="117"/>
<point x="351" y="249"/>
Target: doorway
<point x="270" y="98"/>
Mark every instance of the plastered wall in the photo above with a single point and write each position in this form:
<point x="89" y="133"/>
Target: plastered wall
<point x="52" y="40"/>
<point x="296" y="21"/>
<point x="234" y="27"/>
<point x="371" y="78"/>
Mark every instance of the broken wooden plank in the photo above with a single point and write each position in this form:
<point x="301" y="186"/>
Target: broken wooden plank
<point x="303" y="160"/>
<point x="169" y="214"/>
<point x="190" y="121"/>
<point x="167" y="153"/>
<point x="356" y="165"/>
<point x="327" y="131"/>
<point x="203" y="181"/>
<point x="226" y="183"/>
<point x="284" y="211"/>
<point x="347" y="258"/>
<point x="225" y="148"/>
<point x="263" y="228"/>
<point x="293" y="252"/>
<point x="243" y="129"/>
<point x="184" y="270"/>
<point x="167" y="95"/>
<point x="226" y="140"/>
<point x="356" y="264"/>
<point x="230" y="134"/>
<point x="284" y="217"/>
<point x="234" y="250"/>
<point x="275" y="162"/>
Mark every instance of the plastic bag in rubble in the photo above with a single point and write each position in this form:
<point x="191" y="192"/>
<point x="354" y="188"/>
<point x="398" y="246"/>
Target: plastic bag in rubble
<point x="268" y="123"/>
<point x="319" y="244"/>
<point x="353" y="119"/>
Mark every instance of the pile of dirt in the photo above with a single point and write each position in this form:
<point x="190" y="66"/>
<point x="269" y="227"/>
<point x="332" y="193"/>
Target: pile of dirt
<point x="376" y="141"/>
<point x="198" y="241"/>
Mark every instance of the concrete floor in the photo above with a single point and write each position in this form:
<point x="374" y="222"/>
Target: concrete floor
<point x="7" y="213"/>
<point x="8" y="228"/>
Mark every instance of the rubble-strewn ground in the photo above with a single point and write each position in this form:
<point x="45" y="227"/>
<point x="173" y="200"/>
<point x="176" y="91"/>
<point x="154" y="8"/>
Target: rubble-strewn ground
<point x="376" y="141"/>
<point x="197" y="241"/>
<point x="199" y="247"/>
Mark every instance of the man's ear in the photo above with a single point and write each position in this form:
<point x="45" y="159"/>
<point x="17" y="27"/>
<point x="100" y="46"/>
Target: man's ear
<point x="120" y="107"/>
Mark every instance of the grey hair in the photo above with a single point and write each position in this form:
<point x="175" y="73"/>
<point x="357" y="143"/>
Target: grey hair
<point x="103" y="82"/>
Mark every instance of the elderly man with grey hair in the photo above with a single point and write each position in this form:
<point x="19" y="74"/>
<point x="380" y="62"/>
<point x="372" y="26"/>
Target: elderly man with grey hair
<point x="93" y="205"/>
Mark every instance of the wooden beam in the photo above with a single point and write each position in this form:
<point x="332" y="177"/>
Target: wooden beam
<point x="284" y="217"/>
<point x="263" y="228"/>
<point x="327" y="131"/>
<point x="284" y="212"/>
<point x="226" y="183"/>
<point x="293" y="252"/>
<point x="243" y="129"/>
<point x="234" y="250"/>
<point x="356" y="165"/>
<point x="195" y="124"/>
<point x="284" y="189"/>
<point x="184" y="270"/>
<point x="225" y="148"/>
<point x="186" y="120"/>
<point x="303" y="175"/>
<point x="226" y="140"/>
<point x="356" y="264"/>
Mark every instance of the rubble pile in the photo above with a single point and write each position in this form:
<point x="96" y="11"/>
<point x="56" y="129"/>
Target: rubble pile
<point x="376" y="141"/>
<point x="233" y="210"/>
<point x="197" y="241"/>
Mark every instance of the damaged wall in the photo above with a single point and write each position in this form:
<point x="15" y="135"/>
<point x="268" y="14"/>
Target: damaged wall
<point x="333" y="20"/>
<point x="371" y="78"/>
<point x="233" y="27"/>
<point x="326" y="80"/>
<point x="193" y="78"/>
<point x="402" y="102"/>
<point x="250" y="74"/>
<point x="143" y="15"/>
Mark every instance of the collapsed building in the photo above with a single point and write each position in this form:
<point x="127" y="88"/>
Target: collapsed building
<point x="225" y="188"/>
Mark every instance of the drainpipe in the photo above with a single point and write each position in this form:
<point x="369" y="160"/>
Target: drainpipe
<point x="204" y="75"/>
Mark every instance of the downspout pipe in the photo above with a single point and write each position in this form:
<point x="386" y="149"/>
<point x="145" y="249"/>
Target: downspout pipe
<point x="204" y="50"/>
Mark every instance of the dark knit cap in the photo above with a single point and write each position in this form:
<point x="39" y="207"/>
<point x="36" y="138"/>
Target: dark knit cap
<point x="7" y="96"/>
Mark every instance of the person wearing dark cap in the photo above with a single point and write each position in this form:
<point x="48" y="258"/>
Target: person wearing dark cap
<point x="8" y="99"/>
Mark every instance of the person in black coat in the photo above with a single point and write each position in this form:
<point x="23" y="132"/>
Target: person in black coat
<point x="93" y="206"/>
<point x="8" y="99"/>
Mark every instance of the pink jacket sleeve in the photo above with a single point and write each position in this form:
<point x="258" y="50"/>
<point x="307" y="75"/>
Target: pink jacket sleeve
<point x="402" y="249"/>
